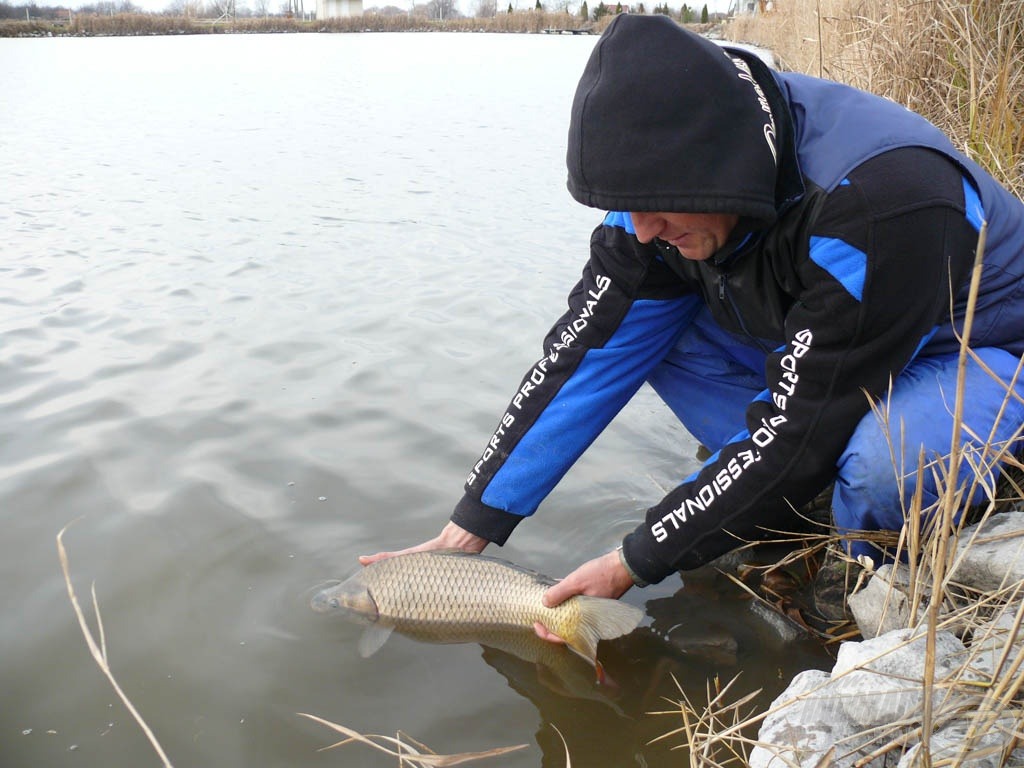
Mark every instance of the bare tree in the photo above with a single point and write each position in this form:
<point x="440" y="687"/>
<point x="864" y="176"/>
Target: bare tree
<point x="188" y="8"/>
<point x="442" y="9"/>
<point x="486" y="9"/>
<point x="222" y="9"/>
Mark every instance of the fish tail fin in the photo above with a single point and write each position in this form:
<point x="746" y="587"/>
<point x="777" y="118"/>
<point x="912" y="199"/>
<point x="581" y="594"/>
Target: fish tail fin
<point x="602" y="619"/>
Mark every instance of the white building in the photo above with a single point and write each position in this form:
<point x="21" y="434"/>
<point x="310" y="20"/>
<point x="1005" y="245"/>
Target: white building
<point x="338" y="9"/>
<point x="739" y="7"/>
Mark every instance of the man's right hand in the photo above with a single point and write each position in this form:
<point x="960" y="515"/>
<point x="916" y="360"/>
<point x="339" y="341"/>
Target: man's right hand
<point x="452" y="536"/>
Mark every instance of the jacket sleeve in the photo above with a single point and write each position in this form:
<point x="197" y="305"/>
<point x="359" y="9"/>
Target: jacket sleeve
<point x="623" y="316"/>
<point x="876" y="278"/>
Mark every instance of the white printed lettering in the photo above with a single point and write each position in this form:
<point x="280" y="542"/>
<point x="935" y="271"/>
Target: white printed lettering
<point x="569" y="336"/>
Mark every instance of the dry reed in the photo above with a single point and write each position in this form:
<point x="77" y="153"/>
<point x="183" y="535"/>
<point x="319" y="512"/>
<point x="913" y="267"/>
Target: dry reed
<point x="409" y="751"/>
<point x="99" y="649"/>
<point x="959" y="63"/>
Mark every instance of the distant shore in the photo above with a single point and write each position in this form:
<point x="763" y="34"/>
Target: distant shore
<point x="95" y="25"/>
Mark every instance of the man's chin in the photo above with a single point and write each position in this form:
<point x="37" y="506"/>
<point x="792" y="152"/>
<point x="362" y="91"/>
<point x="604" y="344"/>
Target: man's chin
<point x="691" y="254"/>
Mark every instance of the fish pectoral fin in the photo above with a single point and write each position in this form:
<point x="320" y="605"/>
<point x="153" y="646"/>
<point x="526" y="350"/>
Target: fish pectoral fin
<point x="373" y="638"/>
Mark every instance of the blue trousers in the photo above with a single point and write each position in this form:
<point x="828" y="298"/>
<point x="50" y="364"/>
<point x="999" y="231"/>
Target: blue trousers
<point x="709" y="379"/>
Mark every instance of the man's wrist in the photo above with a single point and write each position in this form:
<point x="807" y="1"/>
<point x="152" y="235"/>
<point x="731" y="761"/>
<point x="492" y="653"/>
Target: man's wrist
<point x="637" y="581"/>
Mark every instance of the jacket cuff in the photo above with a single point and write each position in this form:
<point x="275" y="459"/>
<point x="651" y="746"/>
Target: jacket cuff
<point x="489" y="523"/>
<point x="639" y="559"/>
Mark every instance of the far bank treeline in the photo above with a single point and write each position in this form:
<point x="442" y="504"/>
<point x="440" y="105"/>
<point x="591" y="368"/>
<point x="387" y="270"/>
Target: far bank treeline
<point x="222" y="16"/>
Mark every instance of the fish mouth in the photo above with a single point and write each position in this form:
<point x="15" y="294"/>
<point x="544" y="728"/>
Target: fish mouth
<point x="350" y="597"/>
<point x="323" y="602"/>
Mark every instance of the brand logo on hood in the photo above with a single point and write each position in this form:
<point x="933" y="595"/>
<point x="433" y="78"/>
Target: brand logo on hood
<point x="769" y="124"/>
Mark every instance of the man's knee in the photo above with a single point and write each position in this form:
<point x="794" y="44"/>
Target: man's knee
<point x="868" y="484"/>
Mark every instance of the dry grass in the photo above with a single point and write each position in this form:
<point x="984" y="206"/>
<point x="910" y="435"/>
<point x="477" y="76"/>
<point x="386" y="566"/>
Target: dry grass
<point x="959" y="63"/>
<point x="99" y="649"/>
<point x="409" y="751"/>
<point x="714" y="733"/>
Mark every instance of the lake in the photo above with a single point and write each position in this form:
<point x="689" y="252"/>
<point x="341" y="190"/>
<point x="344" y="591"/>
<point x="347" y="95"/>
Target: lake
<point x="262" y="302"/>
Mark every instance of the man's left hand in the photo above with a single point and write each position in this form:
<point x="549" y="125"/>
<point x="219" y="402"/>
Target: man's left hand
<point x="603" y="576"/>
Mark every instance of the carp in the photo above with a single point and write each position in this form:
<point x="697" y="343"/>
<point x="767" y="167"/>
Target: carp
<point x="446" y="595"/>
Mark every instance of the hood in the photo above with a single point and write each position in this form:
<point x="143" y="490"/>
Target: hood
<point x="666" y="120"/>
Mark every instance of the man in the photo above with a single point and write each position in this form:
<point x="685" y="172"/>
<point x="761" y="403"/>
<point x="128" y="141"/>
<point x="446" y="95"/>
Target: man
<point x="779" y="249"/>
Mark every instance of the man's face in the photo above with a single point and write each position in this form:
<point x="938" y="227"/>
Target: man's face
<point x="697" y="236"/>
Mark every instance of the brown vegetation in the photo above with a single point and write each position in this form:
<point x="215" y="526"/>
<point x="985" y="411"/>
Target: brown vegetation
<point x="96" y="25"/>
<point x="960" y="63"/>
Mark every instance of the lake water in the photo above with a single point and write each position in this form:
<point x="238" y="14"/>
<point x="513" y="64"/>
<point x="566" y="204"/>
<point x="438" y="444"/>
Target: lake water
<point x="262" y="301"/>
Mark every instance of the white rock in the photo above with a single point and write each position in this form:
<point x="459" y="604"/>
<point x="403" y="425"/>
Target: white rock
<point x="989" y="641"/>
<point x="947" y="744"/>
<point x="884" y="603"/>
<point x="803" y="724"/>
<point x="880" y="680"/>
<point x="991" y="553"/>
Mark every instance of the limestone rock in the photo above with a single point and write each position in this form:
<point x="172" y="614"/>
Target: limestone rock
<point x="883" y="605"/>
<point x="990" y="639"/>
<point x="991" y="553"/>
<point x="805" y="722"/>
<point x="879" y="680"/>
<point x="950" y="744"/>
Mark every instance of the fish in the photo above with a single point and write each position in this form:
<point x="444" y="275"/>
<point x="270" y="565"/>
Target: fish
<point x="447" y="594"/>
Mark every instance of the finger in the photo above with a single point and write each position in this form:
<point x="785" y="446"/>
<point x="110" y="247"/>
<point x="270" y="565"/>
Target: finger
<point x="545" y="634"/>
<point x="557" y="594"/>
<point x="370" y="559"/>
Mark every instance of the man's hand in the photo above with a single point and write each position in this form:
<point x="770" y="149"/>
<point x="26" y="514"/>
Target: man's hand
<point x="603" y="576"/>
<point x="452" y="536"/>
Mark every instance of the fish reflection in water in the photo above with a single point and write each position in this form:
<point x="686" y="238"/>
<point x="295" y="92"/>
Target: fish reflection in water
<point x="704" y="630"/>
<point x="562" y="688"/>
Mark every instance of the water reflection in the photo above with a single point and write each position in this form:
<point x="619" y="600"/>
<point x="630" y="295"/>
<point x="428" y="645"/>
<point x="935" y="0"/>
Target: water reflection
<point x="248" y="356"/>
<point x="693" y="641"/>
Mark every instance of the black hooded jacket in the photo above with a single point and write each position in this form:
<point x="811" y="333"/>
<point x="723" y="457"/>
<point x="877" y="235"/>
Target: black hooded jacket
<point x="857" y="217"/>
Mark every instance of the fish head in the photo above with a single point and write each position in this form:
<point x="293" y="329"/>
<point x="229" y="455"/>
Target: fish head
<point x="352" y="597"/>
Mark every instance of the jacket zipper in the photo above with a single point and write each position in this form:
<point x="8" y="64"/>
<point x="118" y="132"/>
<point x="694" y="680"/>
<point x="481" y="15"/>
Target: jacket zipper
<point x="723" y="279"/>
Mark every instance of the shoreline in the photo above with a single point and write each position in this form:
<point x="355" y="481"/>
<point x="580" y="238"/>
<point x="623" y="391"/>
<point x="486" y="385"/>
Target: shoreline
<point x="143" y="25"/>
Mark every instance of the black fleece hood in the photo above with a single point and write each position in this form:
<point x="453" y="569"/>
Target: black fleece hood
<point x="666" y="120"/>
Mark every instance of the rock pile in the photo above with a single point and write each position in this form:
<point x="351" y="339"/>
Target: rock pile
<point x="868" y="710"/>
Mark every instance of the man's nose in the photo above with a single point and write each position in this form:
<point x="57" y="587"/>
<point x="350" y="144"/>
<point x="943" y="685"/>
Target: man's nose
<point x="647" y="226"/>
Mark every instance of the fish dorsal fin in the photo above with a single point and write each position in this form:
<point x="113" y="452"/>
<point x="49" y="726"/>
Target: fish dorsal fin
<point x="373" y="638"/>
<point x="602" y="619"/>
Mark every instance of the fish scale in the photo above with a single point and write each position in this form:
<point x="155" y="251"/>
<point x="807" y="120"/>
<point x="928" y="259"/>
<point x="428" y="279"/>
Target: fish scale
<point x="465" y="591"/>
